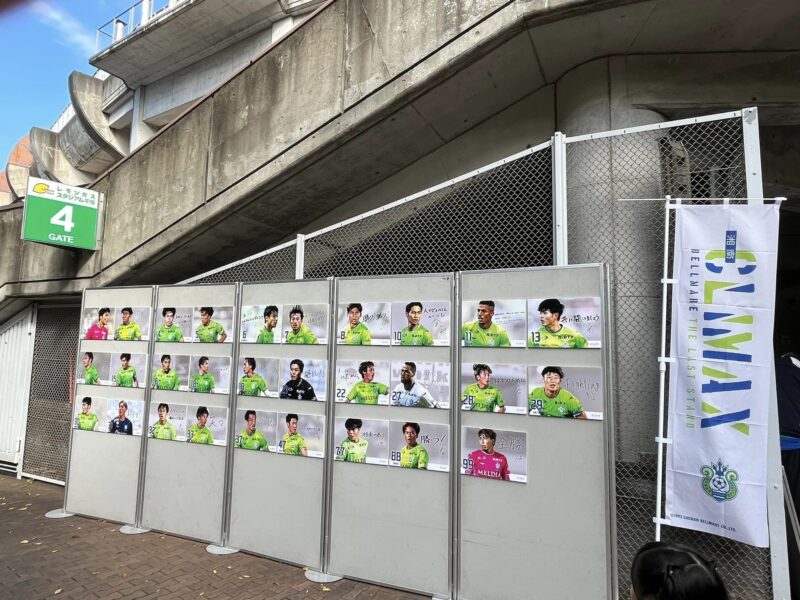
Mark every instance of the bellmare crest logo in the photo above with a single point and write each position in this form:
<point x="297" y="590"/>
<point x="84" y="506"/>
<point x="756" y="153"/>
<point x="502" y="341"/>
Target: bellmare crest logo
<point x="719" y="481"/>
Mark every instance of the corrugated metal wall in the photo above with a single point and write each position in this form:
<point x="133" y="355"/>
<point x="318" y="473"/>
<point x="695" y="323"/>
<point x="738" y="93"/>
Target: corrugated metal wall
<point x="16" y="351"/>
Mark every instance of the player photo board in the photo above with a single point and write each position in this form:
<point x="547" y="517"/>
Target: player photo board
<point x="572" y="392"/>
<point x="419" y="446"/>
<point x="174" y="324"/>
<point x="493" y="323"/>
<point x="305" y="324"/>
<point x="90" y="414"/>
<point x="363" y="382"/>
<point x="129" y="370"/>
<point x="132" y="324"/>
<point x="212" y="324"/>
<point x="421" y="323"/>
<point x="167" y="421"/>
<point x="368" y="326"/>
<point x="303" y="379"/>
<point x="124" y="417"/>
<point x="362" y="441"/>
<point x="94" y="369"/>
<point x="96" y="326"/>
<point x="262" y="381"/>
<point x="301" y="435"/>
<point x="420" y="384"/>
<point x="578" y="325"/>
<point x="255" y="430"/>
<point x="207" y="425"/>
<point x="209" y="376"/>
<point x="170" y="372"/>
<point x="494" y="388"/>
<point x="494" y="454"/>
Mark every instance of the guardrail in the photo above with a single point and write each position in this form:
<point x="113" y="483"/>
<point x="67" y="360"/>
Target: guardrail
<point x="131" y="19"/>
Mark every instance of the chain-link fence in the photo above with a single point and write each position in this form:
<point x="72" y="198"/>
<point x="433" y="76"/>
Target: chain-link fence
<point x="49" y="410"/>
<point x="700" y="160"/>
<point x="275" y="264"/>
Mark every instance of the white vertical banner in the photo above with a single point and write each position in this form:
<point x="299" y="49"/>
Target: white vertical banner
<point x="723" y="305"/>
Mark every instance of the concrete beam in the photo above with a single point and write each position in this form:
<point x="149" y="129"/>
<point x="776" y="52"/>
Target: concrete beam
<point x="50" y="160"/>
<point x="18" y="167"/>
<point x="86" y="95"/>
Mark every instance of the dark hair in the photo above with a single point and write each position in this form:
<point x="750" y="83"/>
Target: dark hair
<point x="353" y="305"/>
<point x="362" y="368"/>
<point x="89" y="355"/>
<point x="125" y="356"/>
<point x="270" y="309"/>
<point x="414" y="426"/>
<point x="553" y="305"/>
<point x="103" y="311"/>
<point x="167" y="309"/>
<point x="202" y="410"/>
<point x="297" y="310"/>
<point x="411" y="305"/>
<point x="556" y="370"/>
<point x="665" y="571"/>
<point x="163" y="405"/>
<point x="201" y="361"/>
<point x="247" y="414"/>
<point x="412" y="365"/>
<point x="251" y="362"/>
<point x="291" y="416"/>
<point x="478" y="367"/>
<point x="353" y="424"/>
<point x="122" y="403"/>
<point x="165" y="357"/>
<point x="87" y="400"/>
<point x="127" y="309"/>
<point x="489" y="303"/>
<point x="487" y="433"/>
<point x="209" y="310"/>
<point x="299" y="363"/>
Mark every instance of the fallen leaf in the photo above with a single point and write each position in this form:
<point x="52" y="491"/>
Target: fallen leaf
<point x="58" y="591"/>
<point x="326" y="588"/>
<point x="246" y="576"/>
<point x="24" y="542"/>
<point x="53" y="551"/>
<point x="23" y="508"/>
<point x="215" y="571"/>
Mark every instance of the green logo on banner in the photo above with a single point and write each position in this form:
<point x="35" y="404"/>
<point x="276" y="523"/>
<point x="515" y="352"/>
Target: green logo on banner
<point x="60" y="215"/>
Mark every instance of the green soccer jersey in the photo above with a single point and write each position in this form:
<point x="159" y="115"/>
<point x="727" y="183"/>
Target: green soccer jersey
<point x="293" y="444"/>
<point x="564" y="404"/>
<point x="367" y="393"/>
<point x="493" y="336"/>
<point x="414" y="458"/>
<point x="169" y="334"/>
<point x="85" y="421"/>
<point x="481" y="400"/>
<point x="266" y="336"/>
<point x="419" y="336"/>
<point x="91" y="376"/>
<point x="164" y="431"/>
<point x="563" y="338"/>
<point x="199" y="435"/>
<point x="126" y="377"/>
<point x="357" y="336"/>
<point x="252" y="386"/>
<point x="128" y="332"/>
<point x="166" y="381"/>
<point x="202" y="383"/>
<point x="256" y="441"/>
<point x="304" y="335"/>
<point x="353" y="451"/>
<point x="209" y="333"/>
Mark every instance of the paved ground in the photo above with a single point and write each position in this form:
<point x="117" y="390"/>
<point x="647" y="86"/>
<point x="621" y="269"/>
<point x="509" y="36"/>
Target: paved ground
<point x="89" y="559"/>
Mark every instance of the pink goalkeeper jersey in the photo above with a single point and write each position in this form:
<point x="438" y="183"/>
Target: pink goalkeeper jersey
<point x="96" y="332"/>
<point x="493" y="466"/>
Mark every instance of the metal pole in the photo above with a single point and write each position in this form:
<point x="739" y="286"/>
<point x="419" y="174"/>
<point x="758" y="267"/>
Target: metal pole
<point x="300" y="256"/>
<point x="559" y="155"/>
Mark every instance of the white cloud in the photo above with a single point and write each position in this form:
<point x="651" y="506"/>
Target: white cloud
<point x="72" y="33"/>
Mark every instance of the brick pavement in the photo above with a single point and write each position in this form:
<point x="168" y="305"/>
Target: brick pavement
<point x="89" y="559"/>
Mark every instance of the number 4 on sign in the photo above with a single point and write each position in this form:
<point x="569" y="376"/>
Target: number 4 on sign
<point x="63" y="218"/>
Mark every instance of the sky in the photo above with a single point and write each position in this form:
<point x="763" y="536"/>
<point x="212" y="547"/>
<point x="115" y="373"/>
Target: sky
<point x="41" y="43"/>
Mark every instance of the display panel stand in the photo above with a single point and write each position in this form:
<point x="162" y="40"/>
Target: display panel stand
<point x="220" y="550"/>
<point x="318" y="577"/>
<point x="132" y="530"/>
<point x="58" y="513"/>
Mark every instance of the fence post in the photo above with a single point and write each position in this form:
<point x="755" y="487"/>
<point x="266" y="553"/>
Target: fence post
<point x="560" y="245"/>
<point x="300" y="256"/>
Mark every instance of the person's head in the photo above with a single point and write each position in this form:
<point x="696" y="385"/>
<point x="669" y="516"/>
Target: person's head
<point x="485" y="312"/>
<point x="250" y="417"/>
<point x="86" y="405"/>
<point x="249" y="365"/>
<point x="125" y="359"/>
<point x="296" y="318"/>
<point x="203" y="364"/>
<point x="163" y="411"/>
<point x="487" y="438"/>
<point x="271" y="316"/>
<point x="122" y="408"/>
<point x="664" y="571"/>
<point x="552" y="377"/>
<point x="482" y="374"/>
<point x="407" y="372"/>
<point x="413" y="313"/>
<point x="550" y="311"/>
<point x="169" y="315"/>
<point x="206" y="312"/>
<point x="127" y="312"/>
<point x="166" y="361"/>
<point x="88" y="357"/>
<point x="410" y="432"/>
<point x="354" y="310"/>
<point x="296" y="369"/>
<point x="367" y="370"/>
<point x="202" y="416"/>
<point x="103" y="315"/>
<point x="353" y="427"/>
<point x="291" y="423"/>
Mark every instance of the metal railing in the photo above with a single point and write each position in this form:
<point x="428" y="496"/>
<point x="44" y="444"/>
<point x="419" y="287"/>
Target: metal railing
<point x="131" y="19"/>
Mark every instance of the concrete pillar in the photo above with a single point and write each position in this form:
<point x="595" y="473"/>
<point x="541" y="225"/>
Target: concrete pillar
<point x="140" y="131"/>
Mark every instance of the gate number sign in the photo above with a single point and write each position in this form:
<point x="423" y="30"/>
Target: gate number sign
<point x="61" y="215"/>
